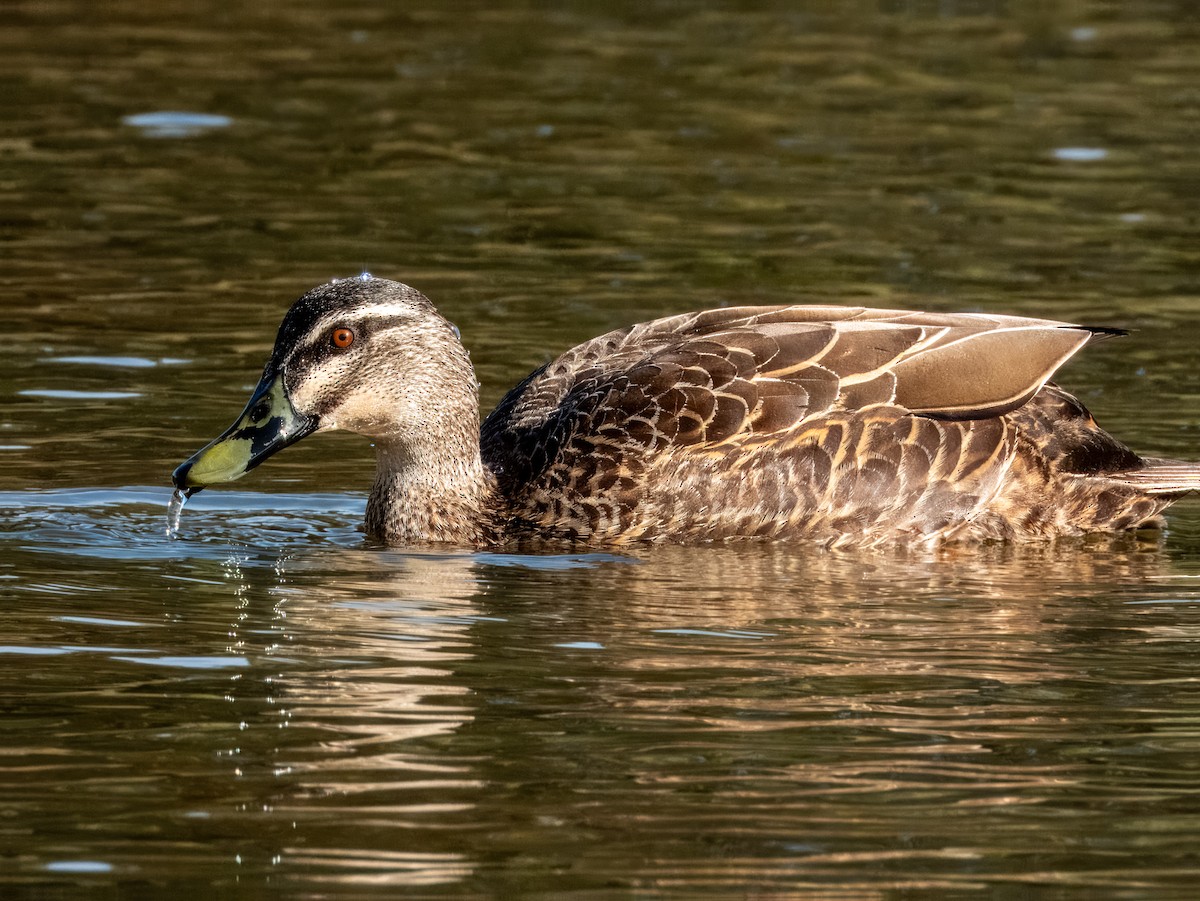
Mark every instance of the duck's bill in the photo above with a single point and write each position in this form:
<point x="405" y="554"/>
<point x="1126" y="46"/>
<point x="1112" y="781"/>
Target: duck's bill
<point x="268" y="424"/>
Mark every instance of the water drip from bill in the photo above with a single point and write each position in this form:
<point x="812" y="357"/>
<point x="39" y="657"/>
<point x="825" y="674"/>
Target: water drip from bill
<point x="174" y="512"/>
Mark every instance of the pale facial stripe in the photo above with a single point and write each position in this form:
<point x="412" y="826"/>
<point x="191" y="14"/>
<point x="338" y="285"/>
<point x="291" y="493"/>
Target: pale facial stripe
<point x="366" y="312"/>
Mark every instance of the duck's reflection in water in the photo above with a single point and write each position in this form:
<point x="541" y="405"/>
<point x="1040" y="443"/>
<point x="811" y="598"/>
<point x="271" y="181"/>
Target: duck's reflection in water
<point x="367" y="643"/>
<point x="841" y="702"/>
<point x="1006" y="611"/>
<point x="431" y="694"/>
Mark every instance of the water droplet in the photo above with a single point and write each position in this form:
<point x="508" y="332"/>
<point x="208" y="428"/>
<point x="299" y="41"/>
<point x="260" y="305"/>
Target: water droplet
<point x="174" y="512"/>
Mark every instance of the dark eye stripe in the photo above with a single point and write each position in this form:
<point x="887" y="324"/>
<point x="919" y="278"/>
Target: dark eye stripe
<point x="317" y="345"/>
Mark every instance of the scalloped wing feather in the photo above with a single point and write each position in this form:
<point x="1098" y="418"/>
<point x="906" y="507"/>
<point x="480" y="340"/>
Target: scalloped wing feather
<point x="624" y="436"/>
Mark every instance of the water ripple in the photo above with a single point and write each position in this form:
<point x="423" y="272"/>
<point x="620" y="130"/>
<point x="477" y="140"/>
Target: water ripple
<point x="173" y="124"/>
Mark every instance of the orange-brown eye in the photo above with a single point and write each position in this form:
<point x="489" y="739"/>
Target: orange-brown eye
<point x="342" y="337"/>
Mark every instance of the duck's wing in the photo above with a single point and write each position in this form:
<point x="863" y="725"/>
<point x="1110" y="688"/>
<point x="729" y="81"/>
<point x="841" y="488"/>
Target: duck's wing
<point x="757" y="374"/>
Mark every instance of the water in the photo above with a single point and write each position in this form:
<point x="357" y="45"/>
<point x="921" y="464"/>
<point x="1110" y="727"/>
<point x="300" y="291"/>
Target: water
<point x="269" y="705"/>
<point x="175" y="512"/>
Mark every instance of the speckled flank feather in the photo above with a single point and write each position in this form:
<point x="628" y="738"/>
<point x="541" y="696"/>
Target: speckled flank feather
<point x="846" y="426"/>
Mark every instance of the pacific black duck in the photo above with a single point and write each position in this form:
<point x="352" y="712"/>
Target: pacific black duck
<point x="848" y="426"/>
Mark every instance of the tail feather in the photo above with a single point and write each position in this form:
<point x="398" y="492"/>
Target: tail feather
<point x="1163" y="476"/>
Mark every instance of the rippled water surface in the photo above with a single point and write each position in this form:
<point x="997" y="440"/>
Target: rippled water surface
<point x="268" y="706"/>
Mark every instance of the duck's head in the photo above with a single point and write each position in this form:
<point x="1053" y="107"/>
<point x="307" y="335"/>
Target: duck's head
<point x="364" y="354"/>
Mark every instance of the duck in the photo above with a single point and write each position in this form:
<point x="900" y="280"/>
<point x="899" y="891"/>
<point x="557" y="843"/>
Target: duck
<point x="839" y="425"/>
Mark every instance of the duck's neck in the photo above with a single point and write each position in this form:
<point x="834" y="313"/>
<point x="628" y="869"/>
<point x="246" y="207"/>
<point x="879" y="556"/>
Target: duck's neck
<point x="435" y="495"/>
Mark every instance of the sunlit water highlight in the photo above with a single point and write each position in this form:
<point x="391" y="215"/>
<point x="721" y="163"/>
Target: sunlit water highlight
<point x="171" y="124"/>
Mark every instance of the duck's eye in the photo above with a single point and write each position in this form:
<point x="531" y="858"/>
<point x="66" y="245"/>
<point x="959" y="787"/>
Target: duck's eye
<point x="341" y="337"/>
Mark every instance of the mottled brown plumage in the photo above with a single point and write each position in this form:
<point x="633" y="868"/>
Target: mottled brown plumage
<point x="846" y="426"/>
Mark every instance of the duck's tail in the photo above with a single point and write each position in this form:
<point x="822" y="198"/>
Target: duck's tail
<point x="1159" y="476"/>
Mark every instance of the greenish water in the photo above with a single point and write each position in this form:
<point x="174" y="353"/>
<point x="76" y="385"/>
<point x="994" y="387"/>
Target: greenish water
<point x="268" y="707"/>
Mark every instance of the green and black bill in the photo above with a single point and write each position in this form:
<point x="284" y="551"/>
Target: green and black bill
<point x="268" y="424"/>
